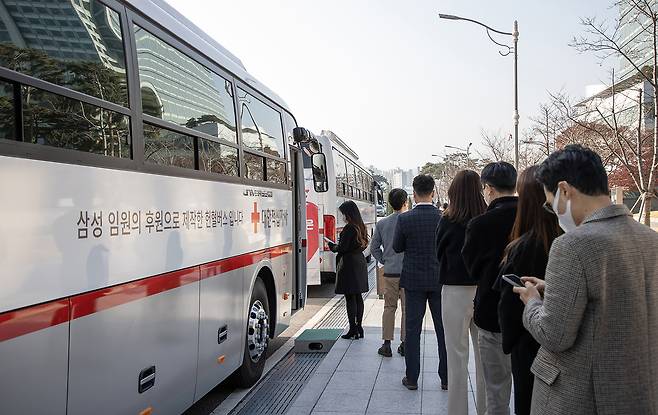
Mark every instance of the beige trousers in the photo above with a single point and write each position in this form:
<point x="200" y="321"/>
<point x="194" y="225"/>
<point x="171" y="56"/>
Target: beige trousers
<point x="457" y="312"/>
<point x="392" y="291"/>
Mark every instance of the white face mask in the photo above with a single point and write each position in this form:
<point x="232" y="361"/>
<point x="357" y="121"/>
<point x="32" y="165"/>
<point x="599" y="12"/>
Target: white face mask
<point x="565" y="219"/>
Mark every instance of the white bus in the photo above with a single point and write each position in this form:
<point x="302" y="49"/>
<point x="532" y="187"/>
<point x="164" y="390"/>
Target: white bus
<point x="347" y="179"/>
<point x="152" y="196"/>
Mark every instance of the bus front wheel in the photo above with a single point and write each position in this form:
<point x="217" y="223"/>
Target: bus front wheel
<point x="256" y="339"/>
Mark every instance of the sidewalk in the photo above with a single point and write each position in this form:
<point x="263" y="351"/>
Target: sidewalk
<point x="354" y="379"/>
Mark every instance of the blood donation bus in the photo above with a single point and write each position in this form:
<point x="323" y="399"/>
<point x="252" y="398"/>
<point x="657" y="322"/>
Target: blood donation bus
<point x="348" y="179"/>
<point x="152" y="200"/>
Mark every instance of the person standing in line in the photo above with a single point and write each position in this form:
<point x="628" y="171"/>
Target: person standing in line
<point x="533" y="233"/>
<point x="351" y="266"/>
<point x="466" y="202"/>
<point x="486" y="238"/>
<point x="414" y="236"/>
<point x="381" y="247"/>
<point x="597" y="322"/>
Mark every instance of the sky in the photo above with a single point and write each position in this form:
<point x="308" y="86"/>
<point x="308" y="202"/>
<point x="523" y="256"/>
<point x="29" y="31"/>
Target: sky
<point x="395" y="82"/>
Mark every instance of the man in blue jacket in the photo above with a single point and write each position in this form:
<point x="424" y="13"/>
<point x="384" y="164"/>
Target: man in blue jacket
<point x="415" y="236"/>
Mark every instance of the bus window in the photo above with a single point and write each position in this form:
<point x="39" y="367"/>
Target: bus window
<point x="7" y="112"/>
<point x="276" y="171"/>
<point x="261" y="126"/>
<point x="53" y="120"/>
<point x="341" y="173"/>
<point x="218" y="158"/>
<point x="254" y="166"/>
<point x="168" y="148"/>
<point x="177" y="89"/>
<point x="80" y="49"/>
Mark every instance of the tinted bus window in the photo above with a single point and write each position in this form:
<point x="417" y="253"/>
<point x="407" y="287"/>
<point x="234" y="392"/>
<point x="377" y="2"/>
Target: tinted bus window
<point x="341" y="172"/>
<point x="168" y="148"/>
<point x="276" y="171"/>
<point x="218" y="158"/>
<point x="57" y="121"/>
<point x="7" y="112"/>
<point x="261" y="126"/>
<point x="254" y="166"/>
<point x="178" y="89"/>
<point x="80" y="48"/>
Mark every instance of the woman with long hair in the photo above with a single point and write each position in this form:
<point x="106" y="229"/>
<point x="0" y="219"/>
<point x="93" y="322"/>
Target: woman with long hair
<point x="351" y="267"/>
<point x="466" y="202"/>
<point x="534" y="230"/>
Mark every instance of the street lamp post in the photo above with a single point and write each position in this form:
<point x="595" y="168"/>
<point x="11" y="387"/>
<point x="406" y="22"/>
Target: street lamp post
<point x="515" y="50"/>
<point x="466" y="150"/>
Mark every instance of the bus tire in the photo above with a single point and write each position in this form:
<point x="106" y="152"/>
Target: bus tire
<point x="256" y="338"/>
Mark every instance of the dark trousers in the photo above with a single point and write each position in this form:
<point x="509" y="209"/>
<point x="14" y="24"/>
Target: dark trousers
<point x="416" y="303"/>
<point x="354" y="305"/>
<point x="523" y="355"/>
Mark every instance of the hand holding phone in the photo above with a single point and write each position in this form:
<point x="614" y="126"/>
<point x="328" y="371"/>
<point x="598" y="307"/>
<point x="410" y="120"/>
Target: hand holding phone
<point x="514" y="280"/>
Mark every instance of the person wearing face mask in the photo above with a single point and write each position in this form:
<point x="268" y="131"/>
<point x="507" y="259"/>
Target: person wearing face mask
<point x="595" y="315"/>
<point x="486" y="237"/>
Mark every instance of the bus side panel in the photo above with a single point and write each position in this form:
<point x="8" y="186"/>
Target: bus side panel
<point x="220" y="310"/>
<point x="111" y="348"/>
<point x="33" y="372"/>
<point x="282" y="269"/>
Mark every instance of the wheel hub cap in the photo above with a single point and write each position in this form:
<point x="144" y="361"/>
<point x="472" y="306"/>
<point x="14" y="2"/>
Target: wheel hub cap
<point x="257" y="331"/>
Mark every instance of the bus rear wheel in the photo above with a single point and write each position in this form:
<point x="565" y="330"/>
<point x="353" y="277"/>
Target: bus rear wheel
<point x="256" y="339"/>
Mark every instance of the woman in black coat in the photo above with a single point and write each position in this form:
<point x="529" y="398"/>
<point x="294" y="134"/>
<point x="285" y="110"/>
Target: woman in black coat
<point x="351" y="267"/>
<point x="534" y="230"/>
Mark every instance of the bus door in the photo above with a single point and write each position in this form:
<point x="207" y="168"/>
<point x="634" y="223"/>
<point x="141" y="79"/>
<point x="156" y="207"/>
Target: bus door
<point x="299" y="229"/>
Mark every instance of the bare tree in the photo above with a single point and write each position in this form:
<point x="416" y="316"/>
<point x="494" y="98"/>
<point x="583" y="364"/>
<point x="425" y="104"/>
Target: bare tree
<point x="498" y="147"/>
<point x="614" y="120"/>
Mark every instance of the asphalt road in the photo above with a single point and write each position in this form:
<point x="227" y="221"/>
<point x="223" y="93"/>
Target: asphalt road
<point x="318" y="296"/>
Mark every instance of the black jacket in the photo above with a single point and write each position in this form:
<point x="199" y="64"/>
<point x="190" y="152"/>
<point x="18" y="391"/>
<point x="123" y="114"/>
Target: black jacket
<point x="449" y="243"/>
<point x="415" y="235"/>
<point x="486" y="238"/>
<point x="351" y="266"/>
<point x="526" y="259"/>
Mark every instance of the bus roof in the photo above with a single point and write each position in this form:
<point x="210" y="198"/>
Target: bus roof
<point x="160" y="12"/>
<point x="340" y="143"/>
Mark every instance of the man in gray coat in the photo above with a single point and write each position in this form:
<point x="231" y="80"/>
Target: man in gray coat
<point x="597" y="322"/>
<point x="381" y="247"/>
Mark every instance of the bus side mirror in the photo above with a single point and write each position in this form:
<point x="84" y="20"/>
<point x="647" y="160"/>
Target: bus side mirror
<point x="301" y="136"/>
<point x="319" y="168"/>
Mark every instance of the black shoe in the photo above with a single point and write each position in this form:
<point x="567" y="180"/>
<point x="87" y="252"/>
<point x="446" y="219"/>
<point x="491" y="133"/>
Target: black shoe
<point x="409" y="385"/>
<point x="385" y="350"/>
<point x="444" y="387"/>
<point x="351" y="334"/>
<point x="359" y="331"/>
<point x="401" y="349"/>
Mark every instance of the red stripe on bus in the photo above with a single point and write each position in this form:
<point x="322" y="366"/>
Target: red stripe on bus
<point x="27" y="320"/>
<point x="99" y="300"/>
<point x="230" y="264"/>
<point x="17" y="323"/>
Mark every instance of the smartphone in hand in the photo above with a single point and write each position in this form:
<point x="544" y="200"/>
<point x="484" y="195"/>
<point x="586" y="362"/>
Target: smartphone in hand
<point x="513" y="280"/>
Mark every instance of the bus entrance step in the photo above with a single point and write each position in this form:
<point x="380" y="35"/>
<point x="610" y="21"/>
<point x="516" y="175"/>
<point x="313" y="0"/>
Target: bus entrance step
<point x="316" y="340"/>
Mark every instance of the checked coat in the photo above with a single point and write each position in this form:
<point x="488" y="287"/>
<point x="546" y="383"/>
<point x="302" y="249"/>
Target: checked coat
<point x="415" y="236"/>
<point x="598" y="321"/>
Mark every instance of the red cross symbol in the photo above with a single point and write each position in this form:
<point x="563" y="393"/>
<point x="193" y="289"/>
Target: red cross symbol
<point x="255" y="217"/>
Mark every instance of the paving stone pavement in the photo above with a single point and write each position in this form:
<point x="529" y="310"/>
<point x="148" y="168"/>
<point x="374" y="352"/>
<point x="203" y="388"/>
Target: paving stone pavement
<point x="354" y="379"/>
